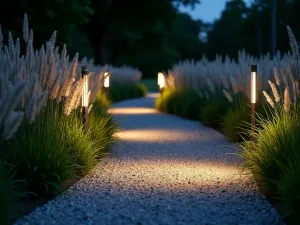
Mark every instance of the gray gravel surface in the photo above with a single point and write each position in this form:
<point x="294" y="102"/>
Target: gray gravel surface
<point x="165" y="170"/>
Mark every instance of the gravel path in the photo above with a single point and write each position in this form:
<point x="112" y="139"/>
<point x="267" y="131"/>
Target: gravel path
<point x="165" y="170"/>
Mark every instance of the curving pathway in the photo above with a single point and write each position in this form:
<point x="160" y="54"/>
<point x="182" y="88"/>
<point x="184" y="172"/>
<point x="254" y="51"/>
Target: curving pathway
<point x="166" y="170"/>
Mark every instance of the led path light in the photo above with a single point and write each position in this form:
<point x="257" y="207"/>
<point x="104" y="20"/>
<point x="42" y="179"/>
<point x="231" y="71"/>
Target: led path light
<point x="161" y="82"/>
<point x="253" y="97"/>
<point x="106" y="79"/>
<point x="85" y="98"/>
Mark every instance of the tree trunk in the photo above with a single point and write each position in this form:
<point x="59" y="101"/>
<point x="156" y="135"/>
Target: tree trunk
<point x="273" y="27"/>
<point x="97" y="37"/>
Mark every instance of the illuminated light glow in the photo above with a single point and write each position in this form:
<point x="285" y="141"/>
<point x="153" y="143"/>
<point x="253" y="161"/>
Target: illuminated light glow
<point x="153" y="95"/>
<point x="253" y="83"/>
<point x="159" y="77"/>
<point x="106" y="80"/>
<point x="253" y="87"/>
<point x="202" y="175"/>
<point x="161" y="80"/>
<point x="132" y="111"/>
<point x="85" y="95"/>
<point x="156" y="135"/>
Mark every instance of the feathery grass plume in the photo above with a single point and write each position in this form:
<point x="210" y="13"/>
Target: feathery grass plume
<point x="64" y="59"/>
<point x="18" y="49"/>
<point x="25" y="28"/>
<point x="234" y="85"/>
<point x="68" y="80"/>
<point x="274" y="91"/>
<point x="77" y="101"/>
<point x="71" y="76"/>
<point x="52" y="71"/>
<point x="210" y="86"/>
<point x="31" y="109"/>
<point x="33" y="84"/>
<point x="11" y="47"/>
<point x="90" y="108"/>
<point x="227" y="95"/>
<point x="276" y="75"/>
<point x="293" y="43"/>
<point x="55" y="85"/>
<point x="11" y="99"/>
<point x="293" y="91"/>
<point x="284" y="76"/>
<point x="42" y="68"/>
<point x="241" y="85"/>
<point x="72" y="98"/>
<point x="293" y="72"/>
<point x="269" y="99"/>
<point x="30" y="52"/>
<point x="52" y="41"/>
<point x="287" y="100"/>
<point x="11" y="124"/>
<point x="41" y="102"/>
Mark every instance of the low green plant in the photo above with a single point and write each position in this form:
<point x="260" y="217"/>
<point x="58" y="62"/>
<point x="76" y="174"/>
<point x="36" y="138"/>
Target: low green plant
<point x="102" y="129"/>
<point x="186" y="103"/>
<point x="274" y="159"/>
<point x="40" y="153"/>
<point x="82" y="148"/>
<point x="120" y="92"/>
<point x="237" y="118"/>
<point x="168" y="101"/>
<point x="102" y="103"/>
<point x="55" y="148"/>
<point x="11" y="191"/>
<point x="232" y="124"/>
<point x="190" y="104"/>
<point x="213" y="112"/>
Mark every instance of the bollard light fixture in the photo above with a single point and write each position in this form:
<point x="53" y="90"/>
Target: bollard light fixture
<point x="161" y="81"/>
<point x="253" y="97"/>
<point x="106" y="79"/>
<point x="85" y="98"/>
<point x="253" y="83"/>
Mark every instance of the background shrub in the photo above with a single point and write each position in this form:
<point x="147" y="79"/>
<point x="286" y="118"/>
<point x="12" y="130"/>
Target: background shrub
<point x="119" y="92"/>
<point x="213" y="112"/>
<point x="102" y="103"/>
<point x="232" y="125"/>
<point x="186" y="103"/>
<point x="235" y="122"/>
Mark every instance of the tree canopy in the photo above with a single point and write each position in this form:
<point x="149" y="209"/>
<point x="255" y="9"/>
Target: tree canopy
<point x="153" y="35"/>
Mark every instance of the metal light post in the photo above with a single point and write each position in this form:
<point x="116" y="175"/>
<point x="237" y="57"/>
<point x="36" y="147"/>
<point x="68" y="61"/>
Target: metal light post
<point x="85" y="100"/>
<point x="253" y="98"/>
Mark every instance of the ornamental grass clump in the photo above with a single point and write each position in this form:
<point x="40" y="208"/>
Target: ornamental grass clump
<point x="40" y="124"/>
<point x="124" y="83"/>
<point x="274" y="157"/>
